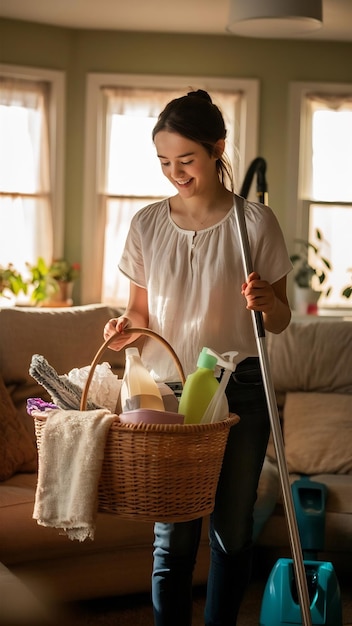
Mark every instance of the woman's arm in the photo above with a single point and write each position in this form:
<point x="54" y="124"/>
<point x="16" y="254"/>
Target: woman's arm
<point x="271" y="300"/>
<point x="136" y="315"/>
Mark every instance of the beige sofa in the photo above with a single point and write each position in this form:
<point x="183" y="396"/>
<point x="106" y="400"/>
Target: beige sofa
<point x="309" y="359"/>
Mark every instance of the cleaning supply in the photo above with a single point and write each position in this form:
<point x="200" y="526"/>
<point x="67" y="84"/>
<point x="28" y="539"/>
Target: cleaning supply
<point x="280" y="606"/>
<point x="218" y="408"/>
<point x="139" y="390"/>
<point x="201" y="387"/>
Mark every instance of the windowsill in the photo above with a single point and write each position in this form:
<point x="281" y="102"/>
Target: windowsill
<point x="324" y="315"/>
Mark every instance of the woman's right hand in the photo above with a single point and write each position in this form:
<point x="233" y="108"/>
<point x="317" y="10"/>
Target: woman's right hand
<point x="117" y="325"/>
<point x="135" y="316"/>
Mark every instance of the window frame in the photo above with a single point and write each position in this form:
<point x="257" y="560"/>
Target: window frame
<point x="298" y="217"/>
<point x="57" y="82"/>
<point x="93" y="226"/>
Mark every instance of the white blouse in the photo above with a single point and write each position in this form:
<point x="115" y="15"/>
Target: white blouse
<point x="194" y="282"/>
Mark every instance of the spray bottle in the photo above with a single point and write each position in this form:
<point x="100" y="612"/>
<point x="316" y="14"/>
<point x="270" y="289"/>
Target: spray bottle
<point x="139" y="390"/>
<point x="201" y="387"/>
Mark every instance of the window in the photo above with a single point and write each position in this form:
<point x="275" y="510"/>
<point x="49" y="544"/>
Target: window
<point x="128" y="174"/>
<point x="31" y="128"/>
<point x="324" y="185"/>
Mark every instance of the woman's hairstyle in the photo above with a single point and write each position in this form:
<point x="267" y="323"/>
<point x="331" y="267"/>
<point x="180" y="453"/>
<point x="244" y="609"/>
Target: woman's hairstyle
<point x="195" y="117"/>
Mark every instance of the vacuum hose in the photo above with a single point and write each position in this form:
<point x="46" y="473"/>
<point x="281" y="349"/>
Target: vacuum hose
<point x="258" y="167"/>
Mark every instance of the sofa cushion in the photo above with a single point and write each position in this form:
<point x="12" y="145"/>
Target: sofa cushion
<point x="67" y="337"/>
<point x="312" y="356"/>
<point x="318" y="433"/>
<point x="18" y="452"/>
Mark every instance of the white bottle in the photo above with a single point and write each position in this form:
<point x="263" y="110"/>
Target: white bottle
<point x="139" y="390"/>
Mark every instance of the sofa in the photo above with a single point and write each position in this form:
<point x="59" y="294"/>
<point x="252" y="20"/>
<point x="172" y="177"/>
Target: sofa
<point x="311" y="367"/>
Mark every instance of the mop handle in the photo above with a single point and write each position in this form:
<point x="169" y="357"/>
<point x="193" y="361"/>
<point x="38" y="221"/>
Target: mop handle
<point x="258" y="325"/>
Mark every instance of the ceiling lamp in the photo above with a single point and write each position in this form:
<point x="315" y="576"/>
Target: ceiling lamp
<point x="274" y="18"/>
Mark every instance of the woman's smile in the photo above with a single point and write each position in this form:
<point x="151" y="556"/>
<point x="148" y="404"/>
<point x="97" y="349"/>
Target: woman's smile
<point x="182" y="183"/>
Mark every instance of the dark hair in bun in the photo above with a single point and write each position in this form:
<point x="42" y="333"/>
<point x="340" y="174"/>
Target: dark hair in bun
<point x="200" y="93"/>
<point x="195" y="117"/>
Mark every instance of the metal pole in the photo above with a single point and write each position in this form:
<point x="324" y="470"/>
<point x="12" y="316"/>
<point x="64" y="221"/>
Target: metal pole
<point x="258" y="324"/>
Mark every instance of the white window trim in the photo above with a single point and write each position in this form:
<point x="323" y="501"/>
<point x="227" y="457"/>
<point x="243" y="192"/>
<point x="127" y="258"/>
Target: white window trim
<point x="92" y="235"/>
<point x="297" y="218"/>
<point x="56" y="140"/>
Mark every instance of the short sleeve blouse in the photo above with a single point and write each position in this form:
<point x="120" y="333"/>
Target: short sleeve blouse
<point x="194" y="282"/>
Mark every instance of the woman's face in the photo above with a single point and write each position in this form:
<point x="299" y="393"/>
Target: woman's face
<point x="186" y="164"/>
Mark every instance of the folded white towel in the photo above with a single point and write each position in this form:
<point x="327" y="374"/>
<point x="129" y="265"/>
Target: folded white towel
<point x="70" y="461"/>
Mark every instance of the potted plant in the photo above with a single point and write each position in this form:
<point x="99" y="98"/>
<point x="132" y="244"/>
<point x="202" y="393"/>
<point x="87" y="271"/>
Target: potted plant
<point x="310" y="273"/>
<point x="64" y="273"/>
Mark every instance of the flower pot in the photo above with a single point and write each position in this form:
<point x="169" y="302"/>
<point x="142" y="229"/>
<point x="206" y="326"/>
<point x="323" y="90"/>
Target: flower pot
<point x="306" y="300"/>
<point x="63" y="297"/>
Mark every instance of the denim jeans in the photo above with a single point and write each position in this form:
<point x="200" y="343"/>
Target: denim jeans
<point x="231" y="523"/>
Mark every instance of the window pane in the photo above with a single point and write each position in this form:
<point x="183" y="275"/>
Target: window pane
<point x="18" y="148"/>
<point x="335" y="224"/>
<point x="133" y="167"/>
<point x="25" y="230"/>
<point x="332" y="155"/>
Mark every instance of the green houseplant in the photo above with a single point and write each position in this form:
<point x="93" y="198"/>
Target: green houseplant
<point x="37" y="285"/>
<point x="11" y="281"/>
<point x="347" y="290"/>
<point x="310" y="272"/>
<point x="42" y="283"/>
<point x="310" y="266"/>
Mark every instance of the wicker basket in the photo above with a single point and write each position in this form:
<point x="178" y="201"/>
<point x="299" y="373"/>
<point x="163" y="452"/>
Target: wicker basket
<point x="158" y="472"/>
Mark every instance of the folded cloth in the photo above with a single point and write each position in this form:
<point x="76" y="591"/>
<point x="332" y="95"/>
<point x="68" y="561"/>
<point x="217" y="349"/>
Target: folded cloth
<point x="37" y="404"/>
<point x="66" y="394"/>
<point x="71" y="454"/>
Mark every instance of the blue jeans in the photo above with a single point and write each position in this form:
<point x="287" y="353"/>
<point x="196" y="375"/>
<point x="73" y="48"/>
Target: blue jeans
<point x="231" y="523"/>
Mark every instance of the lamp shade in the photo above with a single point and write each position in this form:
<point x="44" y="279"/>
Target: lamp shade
<point x="274" y="18"/>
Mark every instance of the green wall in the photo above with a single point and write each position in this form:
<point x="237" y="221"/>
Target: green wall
<point x="274" y="62"/>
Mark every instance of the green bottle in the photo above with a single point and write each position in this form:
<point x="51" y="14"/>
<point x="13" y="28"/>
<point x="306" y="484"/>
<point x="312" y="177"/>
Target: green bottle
<point x="199" y="388"/>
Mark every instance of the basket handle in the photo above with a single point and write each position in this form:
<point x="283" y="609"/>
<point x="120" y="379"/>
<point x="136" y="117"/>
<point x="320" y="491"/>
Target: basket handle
<point x="129" y="331"/>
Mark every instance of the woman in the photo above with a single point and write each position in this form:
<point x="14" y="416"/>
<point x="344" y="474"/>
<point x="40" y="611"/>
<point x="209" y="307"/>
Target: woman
<point x="182" y="256"/>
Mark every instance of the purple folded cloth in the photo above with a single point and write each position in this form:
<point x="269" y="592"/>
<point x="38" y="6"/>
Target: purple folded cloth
<point x="37" y="404"/>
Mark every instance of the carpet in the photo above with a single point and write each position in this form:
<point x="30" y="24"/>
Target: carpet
<point x="137" y="611"/>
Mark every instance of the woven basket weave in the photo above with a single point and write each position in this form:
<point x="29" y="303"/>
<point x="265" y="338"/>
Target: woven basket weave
<point x="158" y="472"/>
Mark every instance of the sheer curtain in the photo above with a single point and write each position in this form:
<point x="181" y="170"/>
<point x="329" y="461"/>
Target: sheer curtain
<point x="130" y="174"/>
<point x="26" y="230"/>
